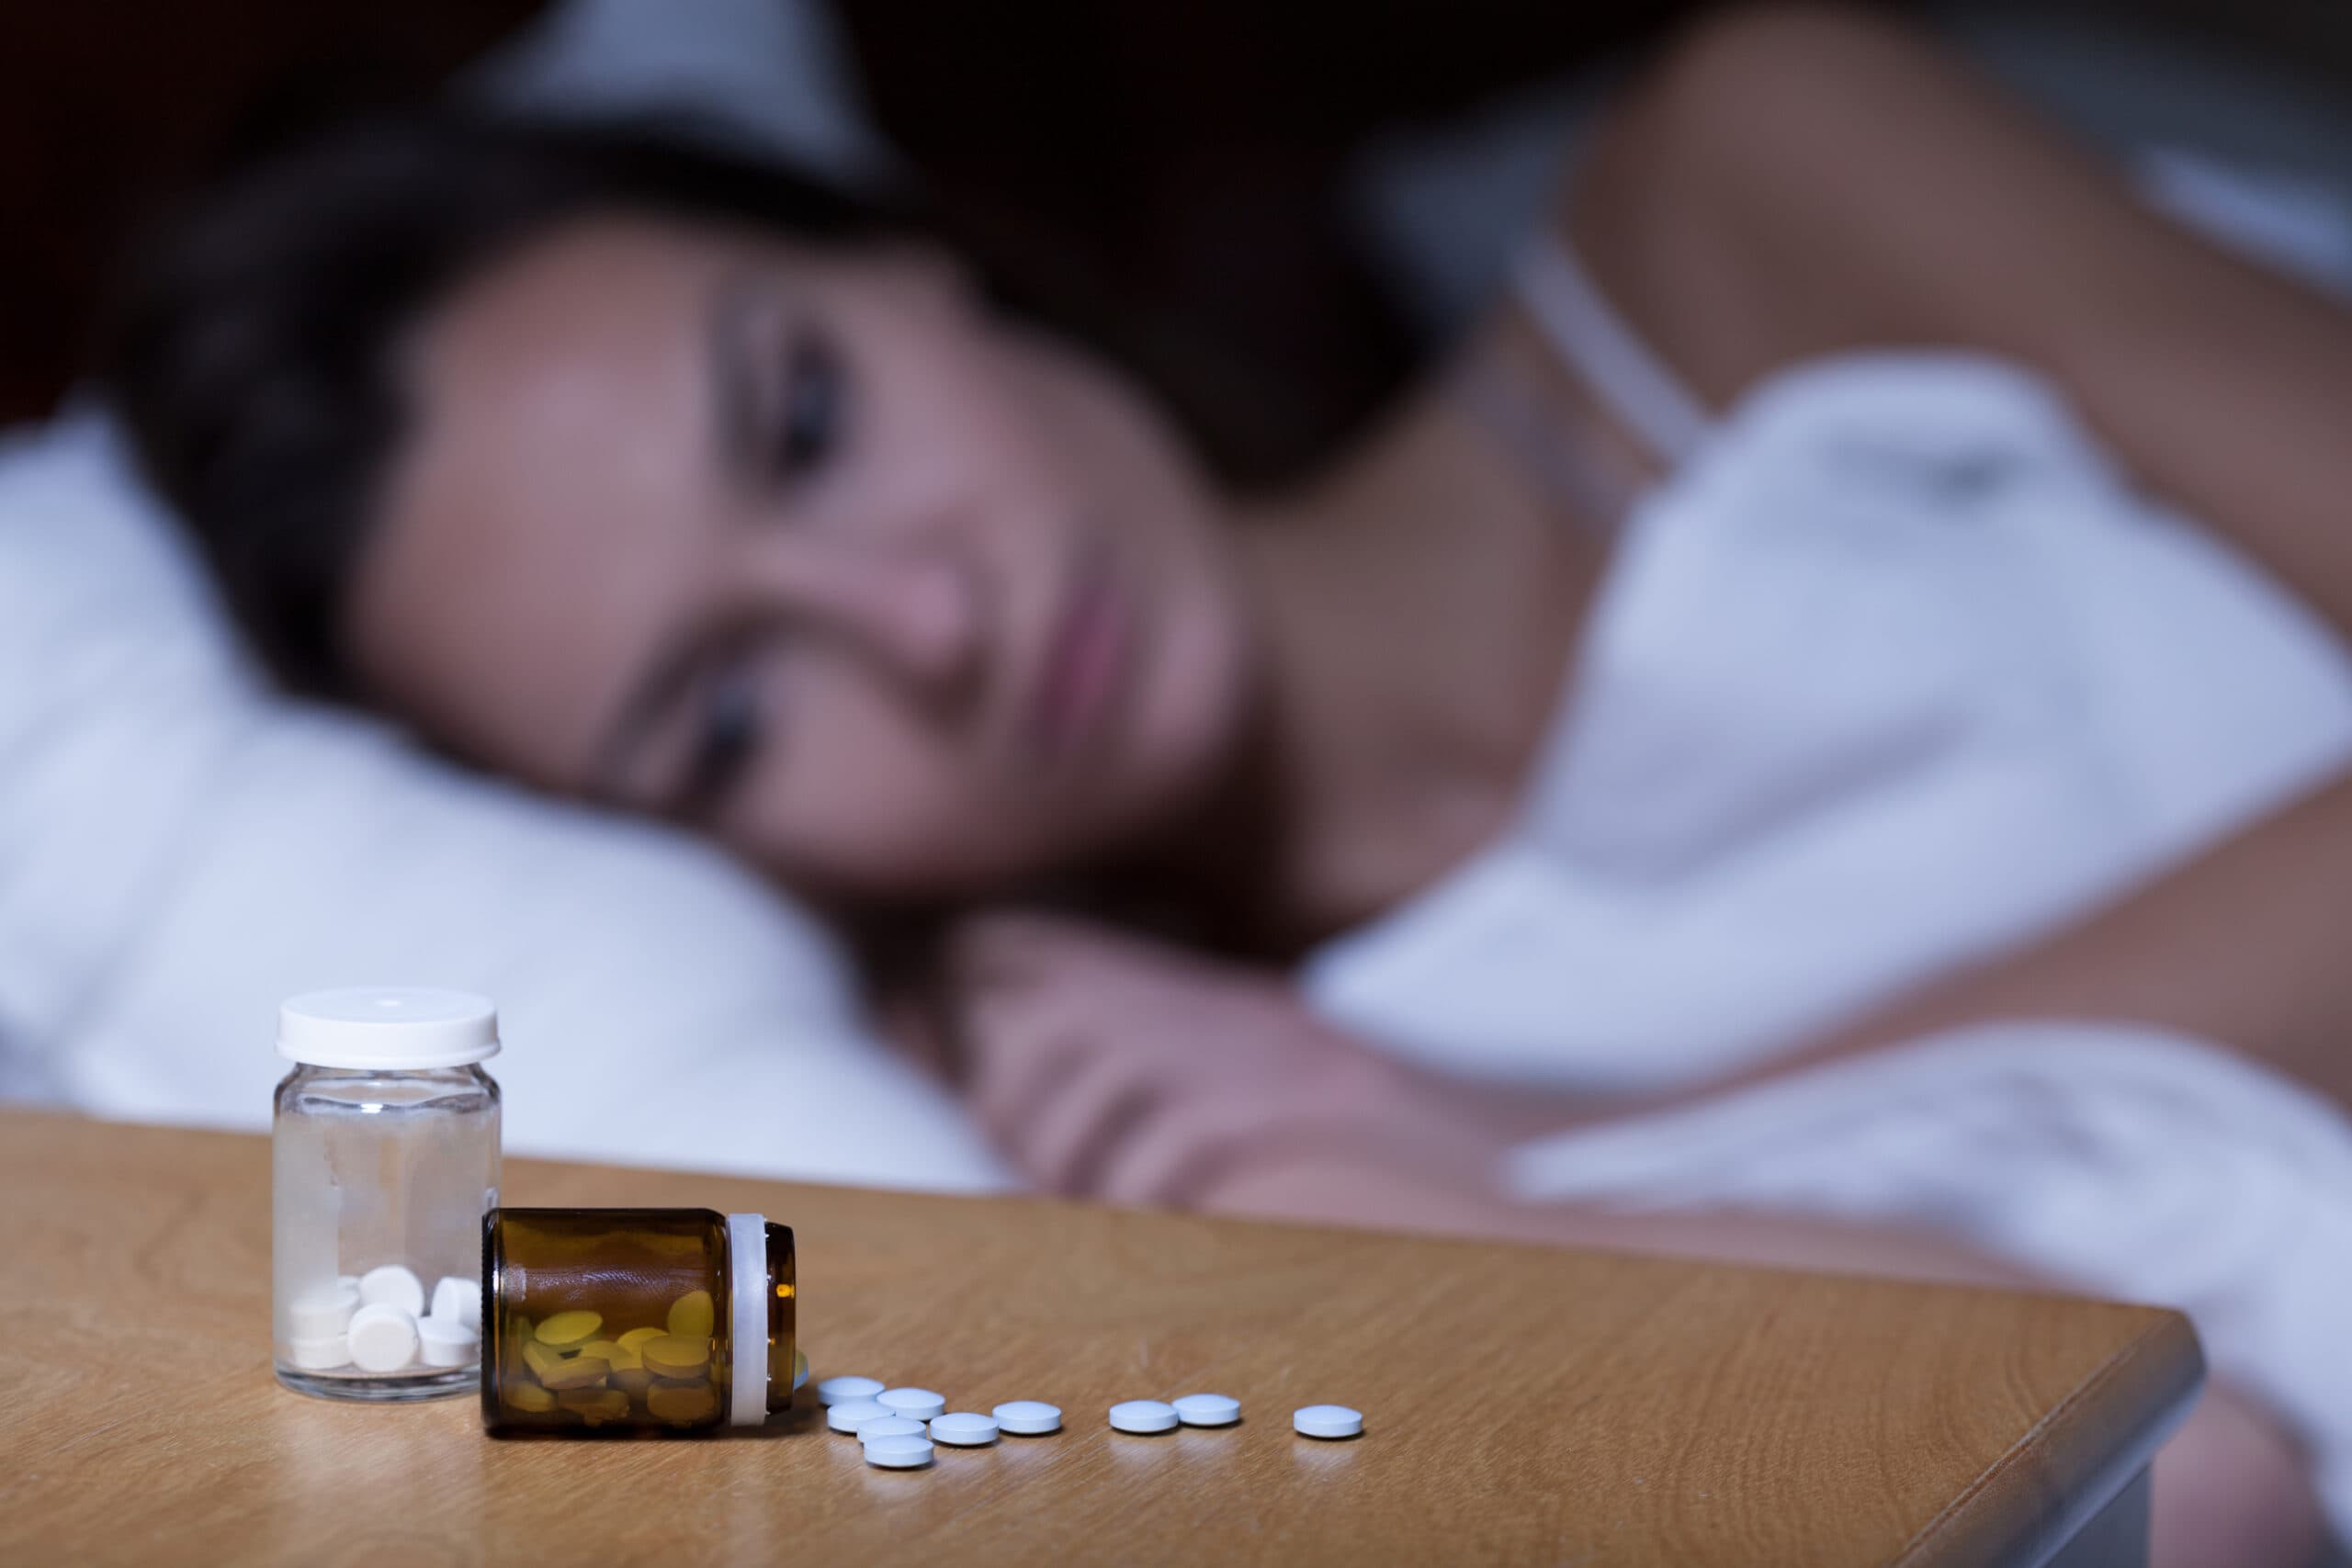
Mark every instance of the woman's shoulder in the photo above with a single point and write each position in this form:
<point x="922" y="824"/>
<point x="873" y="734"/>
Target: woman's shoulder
<point x="1789" y="182"/>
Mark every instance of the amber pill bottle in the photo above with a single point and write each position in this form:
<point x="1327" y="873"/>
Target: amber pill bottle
<point x="634" y="1320"/>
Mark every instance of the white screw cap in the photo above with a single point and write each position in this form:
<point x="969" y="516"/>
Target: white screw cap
<point x="387" y="1029"/>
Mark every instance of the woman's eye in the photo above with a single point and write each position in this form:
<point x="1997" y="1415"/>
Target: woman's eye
<point x="727" y="738"/>
<point x="808" y="411"/>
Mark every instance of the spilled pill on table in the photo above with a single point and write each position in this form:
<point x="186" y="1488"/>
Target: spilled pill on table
<point x="917" y="1403"/>
<point x="1327" y="1421"/>
<point x="898" y="1453"/>
<point x="853" y="1414"/>
<point x="842" y="1390"/>
<point x="1207" y="1410"/>
<point x="962" y="1429"/>
<point x="1027" y="1417"/>
<point x="1143" y="1415"/>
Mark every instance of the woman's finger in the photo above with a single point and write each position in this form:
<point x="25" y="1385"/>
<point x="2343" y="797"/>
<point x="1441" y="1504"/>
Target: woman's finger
<point x="1013" y="1058"/>
<point x="1085" y="1116"/>
<point x="1185" y="1147"/>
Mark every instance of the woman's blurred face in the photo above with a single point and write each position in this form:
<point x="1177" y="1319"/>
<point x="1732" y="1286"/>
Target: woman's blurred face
<point x="805" y="546"/>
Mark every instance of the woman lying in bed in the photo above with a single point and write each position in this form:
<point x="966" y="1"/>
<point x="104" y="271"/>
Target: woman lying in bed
<point x="700" y="492"/>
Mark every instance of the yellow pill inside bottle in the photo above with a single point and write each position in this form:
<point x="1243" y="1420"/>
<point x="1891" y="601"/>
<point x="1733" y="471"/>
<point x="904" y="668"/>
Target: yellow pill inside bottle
<point x="530" y="1396"/>
<point x="692" y="1404"/>
<point x="612" y="1352"/>
<point x="542" y="1358"/>
<point x="597" y="1405"/>
<point x="581" y="1371"/>
<point x="569" y="1328"/>
<point x="675" y="1356"/>
<point x="691" y="1315"/>
<point x="636" y="1379"/>
<point x="634" y="1340"/>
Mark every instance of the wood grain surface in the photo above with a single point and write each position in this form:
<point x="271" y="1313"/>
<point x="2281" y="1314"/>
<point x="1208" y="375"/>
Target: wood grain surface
<point x="1522" y="1405"/>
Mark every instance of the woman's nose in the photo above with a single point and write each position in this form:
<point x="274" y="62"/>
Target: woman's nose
<point x="913" y="608"/>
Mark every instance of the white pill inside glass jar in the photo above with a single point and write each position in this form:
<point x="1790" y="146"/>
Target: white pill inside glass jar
<point x="383" y="1339"/>
<point x="323" y="1311"/>
<point x="447" y="1343"/>
<point x="458" y="1301"/>
<point x="323" y="1354"/>
<point x="394" y="1284"/>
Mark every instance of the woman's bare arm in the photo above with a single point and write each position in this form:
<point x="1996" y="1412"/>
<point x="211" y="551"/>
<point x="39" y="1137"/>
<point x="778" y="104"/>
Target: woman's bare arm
<point x="1800" y="180"/>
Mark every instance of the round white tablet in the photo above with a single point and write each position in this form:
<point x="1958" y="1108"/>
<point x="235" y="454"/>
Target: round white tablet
<point x="1208" y="1410"/>
<point x="395" y="1284"/>
<point x="320" y="1355"/>
<point x="1143" y="1415"/>
<point x="898" y="1453"/>
<point x="383" y="1338"/>
<point x="890" y="1427"/>
<point x="915" y="1404"/>
<point x="447" y="1342"/>
<point x="1027" y="1417"/>
<point x="1327" y="1421"/>
<point x="458" y="1301"/>
<point x="323" y="1312"/>
<point x="852" y="1413"/>
<point x="964" y="1428"/>
<point x="840" y="1390"/>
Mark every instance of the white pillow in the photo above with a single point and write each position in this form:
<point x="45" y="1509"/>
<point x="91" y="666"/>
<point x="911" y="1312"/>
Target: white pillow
<point x="180" y="849"/>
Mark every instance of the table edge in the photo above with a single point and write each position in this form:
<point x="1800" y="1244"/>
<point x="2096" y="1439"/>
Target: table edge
<point x="2077" y="1460"/>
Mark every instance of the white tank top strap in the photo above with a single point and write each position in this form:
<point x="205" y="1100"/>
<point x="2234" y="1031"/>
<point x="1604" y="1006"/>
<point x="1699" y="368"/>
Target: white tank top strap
<point x="1597" y="344"/>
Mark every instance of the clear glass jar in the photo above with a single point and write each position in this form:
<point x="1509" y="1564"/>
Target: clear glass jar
<point x="636" y="1320"/>
<point x="384" y="1158"/>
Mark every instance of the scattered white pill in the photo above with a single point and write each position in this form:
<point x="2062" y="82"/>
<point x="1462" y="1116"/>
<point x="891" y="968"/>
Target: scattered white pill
<point x="1027" y="1417"/>
<point x="394" y="1284"/>
<point x="1143" y="1415"/>
<point x="898" y="1453"/>
<point x="840" y="1390"/>
<point x="1208" y="1410"/>
<point x="458" y="1301"/>
<point x="963" y="1428"/>
<point x="1327" y="1421"/>
<point x="445" y="1342"/>
<point x="890" y="1427"/>
<point x="319" y="1355"/>
<point x="323" y="1312"/>
<point x="852" y="1413"/>
<point x="383" y="1338"/>
<point x="915" y="1404"/>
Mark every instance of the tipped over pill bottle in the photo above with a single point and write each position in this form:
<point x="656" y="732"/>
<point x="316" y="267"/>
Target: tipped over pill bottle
<point x="383" y="1161"/>
<point x="635" y="1320"/>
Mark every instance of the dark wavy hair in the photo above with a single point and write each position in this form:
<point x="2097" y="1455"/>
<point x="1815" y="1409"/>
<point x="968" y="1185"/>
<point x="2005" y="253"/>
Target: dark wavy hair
<point x="252" y="350"/>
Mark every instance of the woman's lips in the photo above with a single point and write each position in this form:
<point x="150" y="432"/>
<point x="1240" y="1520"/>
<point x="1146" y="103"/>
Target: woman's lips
<point x="1084" y="659"/>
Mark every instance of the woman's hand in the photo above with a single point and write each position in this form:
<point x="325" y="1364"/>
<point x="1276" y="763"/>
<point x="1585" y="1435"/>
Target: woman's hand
<point x="1110" y="1067"/>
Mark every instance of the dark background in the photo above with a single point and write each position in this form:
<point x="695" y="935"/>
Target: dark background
<point x="1183" y="152"/>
